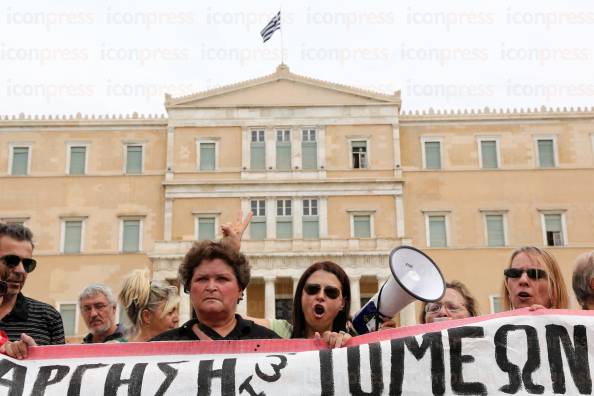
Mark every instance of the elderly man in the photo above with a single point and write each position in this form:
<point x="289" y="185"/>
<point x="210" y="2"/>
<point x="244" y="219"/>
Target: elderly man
<point x="583" y="280"/>
<point x="98" y="309"/>
<point x="20" y="314"/>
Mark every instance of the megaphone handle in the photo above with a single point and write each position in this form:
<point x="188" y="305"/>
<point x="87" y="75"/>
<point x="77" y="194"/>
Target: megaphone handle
<point x="377" y="312"/>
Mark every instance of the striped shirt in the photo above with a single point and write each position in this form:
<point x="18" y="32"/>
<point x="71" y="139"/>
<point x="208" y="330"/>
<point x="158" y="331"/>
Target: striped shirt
<point x="38" y="319"/>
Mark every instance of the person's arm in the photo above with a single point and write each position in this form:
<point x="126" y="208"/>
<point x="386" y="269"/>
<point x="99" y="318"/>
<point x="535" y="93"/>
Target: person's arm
<point x="232" y="233"/>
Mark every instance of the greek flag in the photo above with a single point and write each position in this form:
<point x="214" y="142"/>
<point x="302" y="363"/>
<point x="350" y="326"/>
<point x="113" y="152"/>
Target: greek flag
<point x="272" y="27"/>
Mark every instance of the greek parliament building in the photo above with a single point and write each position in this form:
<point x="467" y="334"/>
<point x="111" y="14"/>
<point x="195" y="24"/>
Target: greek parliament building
<point x="329" y="171"/>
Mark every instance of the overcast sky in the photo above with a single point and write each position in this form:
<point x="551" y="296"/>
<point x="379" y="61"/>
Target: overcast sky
<point x="68" y="56"/>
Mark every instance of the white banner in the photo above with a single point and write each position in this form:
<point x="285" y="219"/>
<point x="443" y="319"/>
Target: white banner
<point x="520" y="352"/>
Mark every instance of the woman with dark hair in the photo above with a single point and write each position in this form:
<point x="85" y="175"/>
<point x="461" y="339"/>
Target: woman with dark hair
<point x="215" y="276"/>
<point x="321" y="304"/>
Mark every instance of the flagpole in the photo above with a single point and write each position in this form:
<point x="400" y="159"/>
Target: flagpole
<point x="281" y="29"/>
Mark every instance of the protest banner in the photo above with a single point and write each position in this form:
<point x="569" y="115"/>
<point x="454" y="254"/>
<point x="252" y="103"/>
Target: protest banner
<point x="517" y="352"/>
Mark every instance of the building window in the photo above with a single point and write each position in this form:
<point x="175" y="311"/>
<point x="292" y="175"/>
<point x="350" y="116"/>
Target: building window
<point x="257" y="150"/>
<point x="258" y="223"/>
<point x="311" y="219"/>
<point x="495" y="226"/>
<point x="359" y="154"/>
<point x="546" y="153"/>
<point x="14" y="220"/>
<point x="495" y="302"/>
<point x="134" y="159"/>
<point x="283" y="149"/>
<point x="69" y="314"/>
<point x="553" y="229"/>
<point x="131" y="235"/>
<point x="495" y="229"/>
<point x="208" y="155"/>
<point x="77" y="160"/>
<point x="284" y="219"/>
<point x="432" y="154"/>
<point x="436" y="230"/>
<point x="206" y="227"/>
<point x="72" y="240"/>
<point x="361" y="225"/>
<point x="489" y="153"/>
<point x="20" y="161"/>
<point x="309" y="149"/>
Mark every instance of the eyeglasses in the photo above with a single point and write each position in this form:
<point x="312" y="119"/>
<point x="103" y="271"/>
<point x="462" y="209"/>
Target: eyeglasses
<point x="450" y="307"/>
<point x="97" y="306"/>
<point x="3" y="288"/>
<point x="330" y="291"/>
<point x="12" y="260"/>
<point x="533" y="273"/>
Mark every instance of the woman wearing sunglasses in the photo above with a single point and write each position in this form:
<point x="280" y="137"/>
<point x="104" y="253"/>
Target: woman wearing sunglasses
<point x="321" y="304"/>
<point x="533" y="279"/>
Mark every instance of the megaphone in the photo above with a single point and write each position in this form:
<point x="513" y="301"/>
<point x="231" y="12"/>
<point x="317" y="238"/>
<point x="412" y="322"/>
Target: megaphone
<point x="414" y="277"/>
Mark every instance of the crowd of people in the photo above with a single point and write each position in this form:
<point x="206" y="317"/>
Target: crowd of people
<point x="215" y="274"/>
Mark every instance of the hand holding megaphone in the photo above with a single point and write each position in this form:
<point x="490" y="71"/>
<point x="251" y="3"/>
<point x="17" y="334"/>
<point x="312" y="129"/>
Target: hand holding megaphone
<point x="414" y="277"/>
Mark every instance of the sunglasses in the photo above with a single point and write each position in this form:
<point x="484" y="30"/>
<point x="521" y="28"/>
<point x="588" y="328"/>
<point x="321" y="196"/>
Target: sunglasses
<point x="330" y="291"/>
<point x="533" y="273"/>
<point x="12" y="260"/>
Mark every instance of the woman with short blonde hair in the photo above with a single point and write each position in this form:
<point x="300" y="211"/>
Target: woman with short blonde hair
<point x="151" y="306"/>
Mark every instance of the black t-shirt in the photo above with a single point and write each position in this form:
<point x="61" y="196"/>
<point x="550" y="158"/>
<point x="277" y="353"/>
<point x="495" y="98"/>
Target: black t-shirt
<point x="243" y="330"/>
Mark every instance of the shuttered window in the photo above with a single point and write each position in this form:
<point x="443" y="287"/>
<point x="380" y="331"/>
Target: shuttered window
<point x="437" y="231"/>
<point x="546" y="153"/>
<point x="433" y="155"/>
<point x="20" y="161"/>
<point x="495" y="230"/>
<point x="207" y="156"/>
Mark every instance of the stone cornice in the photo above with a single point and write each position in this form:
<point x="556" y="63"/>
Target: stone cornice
<point x="84" y="120"/>
<point x="488" y="114"/>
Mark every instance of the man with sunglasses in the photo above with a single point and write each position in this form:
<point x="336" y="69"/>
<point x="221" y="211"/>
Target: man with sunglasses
<point x="20" y="314"/>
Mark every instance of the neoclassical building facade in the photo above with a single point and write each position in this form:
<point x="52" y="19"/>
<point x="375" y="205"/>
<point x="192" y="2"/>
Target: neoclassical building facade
<point x="329" y="171"/>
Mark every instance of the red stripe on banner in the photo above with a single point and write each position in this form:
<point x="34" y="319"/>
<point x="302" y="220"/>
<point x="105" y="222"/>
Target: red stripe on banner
<point x="263" y="346"/>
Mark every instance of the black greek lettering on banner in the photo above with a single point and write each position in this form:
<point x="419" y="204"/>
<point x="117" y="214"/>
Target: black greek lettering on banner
<point x="430" y="341"/>
<point x="17" y="383"/>
<point x="457" y="359"/>
<point x="276" y="367"/>
<point x="77" y="376"/>
<point x="44" y="378"/>
<point x="227" y="375"/>
<point x="576" y="356"/>
<point x="114" y="379"/>
<point x="354" y="369"/>
<point x="513" y="371"/>
<point x="326" y="372"/>
<point x="170" y="374"/>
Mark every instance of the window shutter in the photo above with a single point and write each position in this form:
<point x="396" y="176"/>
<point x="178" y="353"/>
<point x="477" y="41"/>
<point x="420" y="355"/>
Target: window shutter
<point x="72" y="236"/>
<point x="207" y="156"/>
<point x="495" y="232"/>
<point x="131" y="235"/>
<point x="362" y="226"/>
<point x="437" y="231"/>
<point x="432" y="155"/>
<point x="489" y="154"/>
<point x="546" y="154"/>
<point x="134" y="160"/>
<point x="206" y="228"/>
<point x="20" y="161"/>
<point x="68" y="313"/>
<point x="77" y="160"/>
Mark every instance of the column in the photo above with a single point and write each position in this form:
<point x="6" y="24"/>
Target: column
<point x="169" y="161"/>
<point x="270" y="144"/>
<point x="297" y="218"/>
<point x="355" y="294"/>
<point x="168" y="219"/>
<point x="245" y="148"/>
<point x="323" y="217"/>
<point x="269" y="297"/>
<point x="400" y="232"/>
<point x="270" y="218"/>
<point x="242" y="306"/>
<point x="296" y="148"/>
<point x="396" y="145"/>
